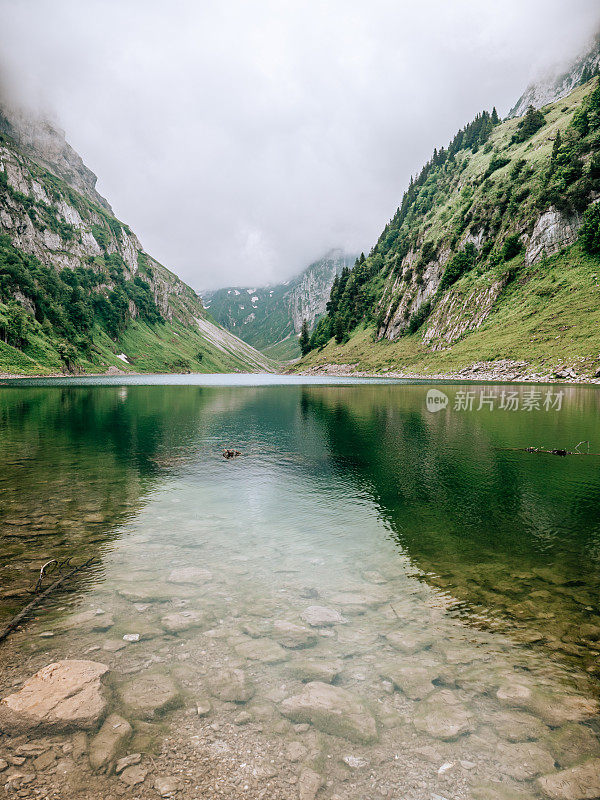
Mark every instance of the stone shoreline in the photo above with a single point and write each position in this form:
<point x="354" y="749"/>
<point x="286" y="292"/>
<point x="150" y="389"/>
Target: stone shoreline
<point x="496" y="371"/>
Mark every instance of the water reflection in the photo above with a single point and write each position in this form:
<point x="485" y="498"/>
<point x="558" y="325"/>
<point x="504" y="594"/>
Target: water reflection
<point x="349" y="544"/>
<point x="513" y="536"/>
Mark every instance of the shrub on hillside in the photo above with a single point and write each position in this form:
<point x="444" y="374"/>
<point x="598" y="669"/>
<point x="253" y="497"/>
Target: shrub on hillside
<point x="590" y="230"/>
<point x="512" y="247"/>
<point x="457" y="266"/>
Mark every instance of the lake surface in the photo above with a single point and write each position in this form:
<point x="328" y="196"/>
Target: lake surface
<point x="460" y="573"/>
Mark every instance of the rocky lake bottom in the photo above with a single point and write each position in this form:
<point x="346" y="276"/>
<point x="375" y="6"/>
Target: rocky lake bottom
<point x="309" y="620"/>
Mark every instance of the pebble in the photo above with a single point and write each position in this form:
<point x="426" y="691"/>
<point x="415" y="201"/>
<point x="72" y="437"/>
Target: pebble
<point x="128" y="761"/>
<point x="203" y="707"/>
<point x="133" y="776"/>
<point x="167" y="786"/>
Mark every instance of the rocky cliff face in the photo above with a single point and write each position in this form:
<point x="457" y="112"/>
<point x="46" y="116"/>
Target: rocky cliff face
<point x="50" y="210"/>
<point x="558" y="85"/>
<point x="43" y="141"/>
<point x="483" y="260"/>
<point x="271" y="317"/>
<point x="59" y="228"/>
<point x="542" y="232"/>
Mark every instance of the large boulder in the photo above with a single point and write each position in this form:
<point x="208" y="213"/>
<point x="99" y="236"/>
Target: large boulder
<point x="332" y="710"/>
<point x="63" y="696"/>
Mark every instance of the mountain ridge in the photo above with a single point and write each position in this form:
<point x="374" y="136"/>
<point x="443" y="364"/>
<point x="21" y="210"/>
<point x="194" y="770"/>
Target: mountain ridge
<point x="487" y="236"/>
<point x="560" y="83"/>
<point x="78" y="292"/>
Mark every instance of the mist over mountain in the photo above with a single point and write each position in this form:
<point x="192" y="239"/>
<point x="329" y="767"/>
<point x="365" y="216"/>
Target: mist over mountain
<point x="243" y="141"/>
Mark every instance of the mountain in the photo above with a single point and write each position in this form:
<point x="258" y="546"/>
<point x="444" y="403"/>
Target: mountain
<point x="270" y="318"/>
<point x="78" y="293"/>
<point x="493" y="256"/>
<point x="559" y="84"/>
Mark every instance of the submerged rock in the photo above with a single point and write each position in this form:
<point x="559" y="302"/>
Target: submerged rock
<point x="554" y="708"/>
<point x="321" y="616"/>
<point x="293" y="636"/>
<point x="195" y="575"/>
<point x="517" y="726"/>
<point x="63" y="696"/>
<point x="264" y="650"/>
<point x="332" y="710"/>
<point x="231" y="685"/>
<point x="95" y="621"/>
<point x="150" y="695"/>
<point x="577" y="783"/>
<point x="111" y="737"/>
<point x="572" y="743"/>
<point x="309" y="784"/>
<point x="317" y="670"/>
<point x="167" y="786"/>
<point x="409" y="641"/>
<point x="443" y="716"/>
<point x="415" y="682"/>
<point x="133" y="776"/>
<point x="524" y="760"/>
<point x="179" y="621"/>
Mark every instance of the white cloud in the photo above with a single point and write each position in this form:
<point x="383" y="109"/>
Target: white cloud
<point x="241" y="140"/>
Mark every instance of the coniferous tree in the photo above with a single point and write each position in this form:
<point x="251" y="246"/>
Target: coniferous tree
<point x="555" y="151"/>
<point x="495" y="117"/>
<point x="530" y="124"/>
<point x="304" y="338"/>
<point x="339" y="329"/>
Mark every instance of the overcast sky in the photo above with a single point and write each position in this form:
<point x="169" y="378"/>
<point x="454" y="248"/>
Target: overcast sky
<point x="241" y="139"/>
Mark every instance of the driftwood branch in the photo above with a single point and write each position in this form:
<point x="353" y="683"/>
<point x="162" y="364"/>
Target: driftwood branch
<point x="15" y="621"/>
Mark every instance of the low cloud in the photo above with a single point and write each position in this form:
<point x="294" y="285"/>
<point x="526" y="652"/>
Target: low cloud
<point x="241" y="140"/>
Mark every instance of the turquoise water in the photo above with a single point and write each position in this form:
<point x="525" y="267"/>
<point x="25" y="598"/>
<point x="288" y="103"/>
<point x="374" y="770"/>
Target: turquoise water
<point x="462" y="567"/>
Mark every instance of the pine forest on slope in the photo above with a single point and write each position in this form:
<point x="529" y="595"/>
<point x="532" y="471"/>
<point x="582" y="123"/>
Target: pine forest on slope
<point x="492" y="255"/>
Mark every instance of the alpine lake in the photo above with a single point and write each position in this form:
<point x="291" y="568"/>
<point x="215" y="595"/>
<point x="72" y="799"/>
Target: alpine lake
<point x="373" y="600"/>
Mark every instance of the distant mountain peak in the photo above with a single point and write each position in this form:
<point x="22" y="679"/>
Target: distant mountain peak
<point x="274" y="319"/>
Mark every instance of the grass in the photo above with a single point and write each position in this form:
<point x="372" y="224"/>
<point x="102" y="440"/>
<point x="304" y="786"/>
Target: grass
<point x="172" y="347"/>
<point x="548" y="316"/>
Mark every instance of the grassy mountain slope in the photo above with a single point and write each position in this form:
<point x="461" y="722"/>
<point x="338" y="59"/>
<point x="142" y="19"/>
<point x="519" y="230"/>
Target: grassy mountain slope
<point x="77" y="290"/>
<point x="270" y="318"/>
<point x="482" y="261"/>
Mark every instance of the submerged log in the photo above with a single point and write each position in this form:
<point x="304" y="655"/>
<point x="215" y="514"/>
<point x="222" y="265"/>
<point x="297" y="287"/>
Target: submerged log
<point x="231" y="453"/>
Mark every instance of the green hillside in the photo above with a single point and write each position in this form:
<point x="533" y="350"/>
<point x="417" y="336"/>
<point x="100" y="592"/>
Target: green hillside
<point x="79" y="294"/>
<point x="483" y="260"/>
